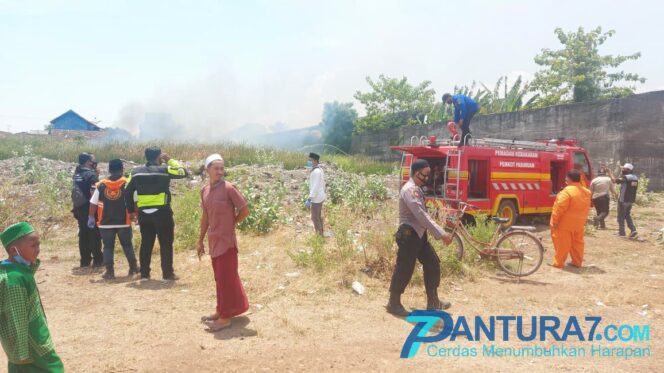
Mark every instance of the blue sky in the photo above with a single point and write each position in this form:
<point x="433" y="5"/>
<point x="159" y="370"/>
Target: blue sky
<point x="216" y="65"/>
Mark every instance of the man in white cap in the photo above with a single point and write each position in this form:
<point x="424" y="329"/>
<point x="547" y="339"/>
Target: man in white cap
<point x="629" y="183"/>
<point x="224" y="207"/>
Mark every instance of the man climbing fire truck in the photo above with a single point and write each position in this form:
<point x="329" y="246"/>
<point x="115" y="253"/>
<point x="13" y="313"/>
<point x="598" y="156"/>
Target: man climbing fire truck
<point x="505" y="178"/>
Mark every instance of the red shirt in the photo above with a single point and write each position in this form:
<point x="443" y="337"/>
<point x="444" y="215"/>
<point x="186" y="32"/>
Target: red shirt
<point x="221" y="202"/>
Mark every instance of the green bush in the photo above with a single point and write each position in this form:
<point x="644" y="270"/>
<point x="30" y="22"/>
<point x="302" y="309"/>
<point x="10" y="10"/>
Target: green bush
<point x="187" y="215"/>
<point x="643" y="196"/>
<point x="483" y="229"/>
<point x="363" y="193"/>
<point x="314" y="256"/>
<point x="264" y="206"/>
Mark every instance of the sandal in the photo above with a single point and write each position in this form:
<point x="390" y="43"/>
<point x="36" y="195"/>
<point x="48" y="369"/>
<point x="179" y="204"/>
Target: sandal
<point x="209" y="318"/>
<point x="213" y="328"/>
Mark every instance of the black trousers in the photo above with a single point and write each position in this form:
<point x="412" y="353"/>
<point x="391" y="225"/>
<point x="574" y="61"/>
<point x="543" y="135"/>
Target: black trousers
<point x="159" y="225"/>
<point x="89" y="240"/>
<point x="465" y="130"/>
<point x="412" y="248"/>
<point x="602" y="208"/>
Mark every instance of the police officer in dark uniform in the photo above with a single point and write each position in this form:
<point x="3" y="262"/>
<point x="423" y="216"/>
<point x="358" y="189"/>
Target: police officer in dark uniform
<point x="412" y="240"/>
<point x="89" y="240"/>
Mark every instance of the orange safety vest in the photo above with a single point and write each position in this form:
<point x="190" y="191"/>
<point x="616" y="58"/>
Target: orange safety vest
<point x="111" y="209"/>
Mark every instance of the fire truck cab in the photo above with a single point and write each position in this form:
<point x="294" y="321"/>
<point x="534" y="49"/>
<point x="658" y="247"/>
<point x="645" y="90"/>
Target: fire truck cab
<point x="506" y="178"/>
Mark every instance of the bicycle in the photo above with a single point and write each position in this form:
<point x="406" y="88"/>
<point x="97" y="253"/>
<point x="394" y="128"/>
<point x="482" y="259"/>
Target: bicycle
<point x="518" y="252"/>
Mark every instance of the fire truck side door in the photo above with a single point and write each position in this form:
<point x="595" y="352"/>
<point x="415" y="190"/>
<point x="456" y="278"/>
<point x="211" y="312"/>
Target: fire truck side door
<point x="580" y="158"/>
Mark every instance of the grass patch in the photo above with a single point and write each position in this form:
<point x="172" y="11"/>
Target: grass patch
<point x="187" y="214"/>
<point x="483" y="229"/>
<point x="360" y="193"/>
<point x="194" y="152"/>
<point x="313" y="256"/>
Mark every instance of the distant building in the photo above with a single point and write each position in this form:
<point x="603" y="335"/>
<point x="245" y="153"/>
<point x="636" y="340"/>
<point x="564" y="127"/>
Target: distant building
<point x="72" y="121"/>
<point x="71" y="124"/>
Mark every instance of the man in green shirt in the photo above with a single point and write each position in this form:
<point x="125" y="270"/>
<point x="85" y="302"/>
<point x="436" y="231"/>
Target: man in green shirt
<point x="23" y="330"/>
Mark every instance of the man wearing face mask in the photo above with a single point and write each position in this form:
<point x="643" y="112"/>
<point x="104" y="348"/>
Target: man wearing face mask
<point x="316" y="192"/>
<point x="23" y="330"/>
<point x="89" y="240"/>
<point x="412" y="240"/>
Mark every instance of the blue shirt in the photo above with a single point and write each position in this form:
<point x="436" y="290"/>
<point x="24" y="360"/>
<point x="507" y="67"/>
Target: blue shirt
<point x="464" y="106"/>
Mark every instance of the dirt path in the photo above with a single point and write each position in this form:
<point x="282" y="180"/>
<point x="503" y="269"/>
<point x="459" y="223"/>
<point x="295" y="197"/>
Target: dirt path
<point x="298" y="324"/>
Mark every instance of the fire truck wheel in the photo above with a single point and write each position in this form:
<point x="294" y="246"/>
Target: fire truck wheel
<point x="507" y="209"/>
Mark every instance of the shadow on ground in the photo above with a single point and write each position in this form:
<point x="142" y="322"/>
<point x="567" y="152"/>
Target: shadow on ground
<point x="151" y="284"/>
<point x="238" y="329"/>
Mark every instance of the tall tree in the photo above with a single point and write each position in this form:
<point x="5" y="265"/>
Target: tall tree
<point x="394" y="102"/>
<point x="443" y="113"/>
<point x="505" y="98"/>
<point x="578" y="72"/>
<point x="338" y="124"/>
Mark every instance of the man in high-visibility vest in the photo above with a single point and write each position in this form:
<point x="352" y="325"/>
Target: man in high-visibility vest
<point x="151" y="184"/>
<point x="568" y="219"/>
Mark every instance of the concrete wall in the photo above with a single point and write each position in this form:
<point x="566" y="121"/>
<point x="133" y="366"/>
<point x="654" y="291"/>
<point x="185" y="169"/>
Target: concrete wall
<point x="628" y="129"/>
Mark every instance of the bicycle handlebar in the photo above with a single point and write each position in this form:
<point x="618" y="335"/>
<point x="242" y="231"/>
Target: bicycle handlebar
<point x="465" y="206"/>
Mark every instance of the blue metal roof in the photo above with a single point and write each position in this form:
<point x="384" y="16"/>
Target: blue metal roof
<point x="74" y="122"/>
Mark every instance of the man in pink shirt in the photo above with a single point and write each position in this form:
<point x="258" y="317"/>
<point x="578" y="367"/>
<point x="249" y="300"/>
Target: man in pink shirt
<point x="223" y="207"/>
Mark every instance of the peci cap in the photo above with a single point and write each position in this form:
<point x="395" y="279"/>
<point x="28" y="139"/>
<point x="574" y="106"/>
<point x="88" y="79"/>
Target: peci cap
<point x="14" y="232"/>
<point x="314" y="156"/>
<point x="211" y="158"/>
<point x="418" y="165"/>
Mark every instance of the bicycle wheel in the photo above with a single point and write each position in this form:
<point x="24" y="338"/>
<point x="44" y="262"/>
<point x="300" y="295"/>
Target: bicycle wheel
<point x="454" y="249"/>
<point x="519" y="253"/>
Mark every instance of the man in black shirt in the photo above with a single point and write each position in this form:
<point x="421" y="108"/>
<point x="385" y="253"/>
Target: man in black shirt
<point x="89" y="241"/>
<point x="151" y="184"/>
<point x="629" y="184"/>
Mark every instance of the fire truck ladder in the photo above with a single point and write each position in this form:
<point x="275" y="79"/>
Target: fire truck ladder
<point x="454" y="153"/>
<point x="514" y="144"/>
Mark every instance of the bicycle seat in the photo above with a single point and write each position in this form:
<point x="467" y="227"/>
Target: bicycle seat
<point x="498" y="219"/>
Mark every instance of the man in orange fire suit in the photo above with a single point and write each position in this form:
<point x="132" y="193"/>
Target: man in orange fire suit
<point x="568" y="218"/>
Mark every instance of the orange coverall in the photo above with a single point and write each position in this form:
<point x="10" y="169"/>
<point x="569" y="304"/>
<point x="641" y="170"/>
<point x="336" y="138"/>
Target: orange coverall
<point x="568" y="218"/>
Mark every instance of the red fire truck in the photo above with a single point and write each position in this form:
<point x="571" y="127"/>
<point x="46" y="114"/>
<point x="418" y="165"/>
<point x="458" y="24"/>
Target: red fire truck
<point x="504" y="178"/>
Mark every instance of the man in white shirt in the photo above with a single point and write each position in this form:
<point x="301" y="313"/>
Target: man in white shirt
<point x="316" y="192"/>
<point x="600" y="188"/>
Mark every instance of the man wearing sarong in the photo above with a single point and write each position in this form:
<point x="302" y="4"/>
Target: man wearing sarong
<point x="223" y="208"/>
<point x="23" y="330"/>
